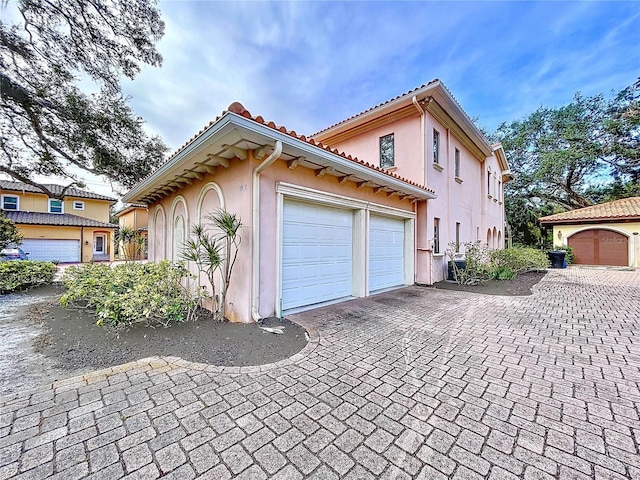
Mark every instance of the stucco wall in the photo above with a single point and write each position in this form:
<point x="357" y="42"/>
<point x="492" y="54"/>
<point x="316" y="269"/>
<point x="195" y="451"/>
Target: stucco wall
<point x="269" y="225"/>
<point x="84" y="235"/>
<point x="627" y="229"/>
<point x="135" y="218"/>
<point x="235" y="185"/>
<point x="34" y="202"/>
<point x="465" y="200"/>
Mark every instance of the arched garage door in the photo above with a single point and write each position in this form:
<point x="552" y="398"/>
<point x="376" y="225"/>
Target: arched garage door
<point x="600" y="247"/>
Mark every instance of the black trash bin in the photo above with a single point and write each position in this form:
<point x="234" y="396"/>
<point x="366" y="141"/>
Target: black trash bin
<point x="556" y="257"/>
<point x="461" y="264"/>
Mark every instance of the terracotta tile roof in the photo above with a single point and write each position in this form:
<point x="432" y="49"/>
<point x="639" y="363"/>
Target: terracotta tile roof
<point x="626" y="208"/>
<point x="58" y="219"/>
<point x="56" y="189"/>
<point x="435" y="80"/>
<point x="239" y="109"/>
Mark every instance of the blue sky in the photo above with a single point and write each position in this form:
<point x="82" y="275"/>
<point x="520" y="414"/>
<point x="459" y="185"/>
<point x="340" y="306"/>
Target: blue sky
<point x="310" y="64"/>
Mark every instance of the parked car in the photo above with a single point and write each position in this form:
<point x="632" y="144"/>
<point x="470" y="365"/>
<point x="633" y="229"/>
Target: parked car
<point x="13" y="254"/>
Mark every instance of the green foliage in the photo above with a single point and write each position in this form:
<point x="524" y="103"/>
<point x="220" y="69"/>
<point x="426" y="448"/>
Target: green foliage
<point x="482" y="263"/>
<point x="131" y="243"/>
<point x="131" y="292"/>
<point x="19" y="274"/>
<point x="571" y="156"/>
<point x="216" y="254"/>
<point x="48" y="53"/>
<point x="476" y="257"/>
<point x="9" y="233"/>
<point x="507" y="263"/>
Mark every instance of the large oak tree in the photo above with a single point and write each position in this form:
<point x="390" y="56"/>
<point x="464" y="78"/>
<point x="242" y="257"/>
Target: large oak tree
<point x="570" y="157"/>
<point x="49" y="56"/>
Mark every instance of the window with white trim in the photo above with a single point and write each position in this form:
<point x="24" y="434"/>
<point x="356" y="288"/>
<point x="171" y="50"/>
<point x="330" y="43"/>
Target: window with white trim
<point x="10" y="202"/>
<point x="456" y="166"/>
<point x="489" y="182"/>
<point x="387" y="151"/>
<point x="78" y="205"/>
<point x="457" y="237"/>
<point x="56" y="206"/>
<point x="436" y="146"/>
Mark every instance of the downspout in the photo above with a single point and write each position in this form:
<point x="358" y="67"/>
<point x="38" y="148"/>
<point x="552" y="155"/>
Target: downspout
<point x="424" y="175"/>
<point x="255" y="267"/>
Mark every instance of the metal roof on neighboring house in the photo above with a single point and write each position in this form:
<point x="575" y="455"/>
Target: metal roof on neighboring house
<point x="57" y="219"/>
<point x="624" y="209"/>
<point x="55" y="189"/>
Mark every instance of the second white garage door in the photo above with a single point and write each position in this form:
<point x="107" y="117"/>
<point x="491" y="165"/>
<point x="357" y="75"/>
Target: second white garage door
<point x="61" y="250"/>
<point x="386" y="252"/>
<point x="317" y="257"/>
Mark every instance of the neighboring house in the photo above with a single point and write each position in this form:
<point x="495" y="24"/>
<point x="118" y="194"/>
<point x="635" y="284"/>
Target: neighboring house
<point x="75" y="229"/>
<point x="604" y="234"/>
<point x="135" y="217"/>
<point x="322" y="225"/>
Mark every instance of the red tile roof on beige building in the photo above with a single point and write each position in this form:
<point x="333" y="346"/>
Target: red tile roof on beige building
<point x="239" y="109"/>
<point x="624" y="209"/>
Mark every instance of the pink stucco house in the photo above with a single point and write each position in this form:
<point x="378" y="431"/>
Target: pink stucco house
<point x="365" y="205"/>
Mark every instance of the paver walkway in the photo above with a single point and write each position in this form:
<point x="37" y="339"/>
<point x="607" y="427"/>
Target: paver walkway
<point x="414" y="383"/>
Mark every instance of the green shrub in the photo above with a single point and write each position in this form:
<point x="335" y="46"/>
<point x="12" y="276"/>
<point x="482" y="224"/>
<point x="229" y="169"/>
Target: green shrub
<point x="476" y="259"/>
<point x="132" y="292"/>
<point x="25" y="273"/>
<point x="507" y="263"/>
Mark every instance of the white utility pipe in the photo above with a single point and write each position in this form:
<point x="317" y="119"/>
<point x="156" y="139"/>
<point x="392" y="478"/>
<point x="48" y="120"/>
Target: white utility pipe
<point x="255" y="267"/>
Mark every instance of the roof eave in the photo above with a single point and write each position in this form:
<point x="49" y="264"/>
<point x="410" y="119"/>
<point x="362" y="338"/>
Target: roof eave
<point x="239" y="122"/>
<point x="438" y="92"/>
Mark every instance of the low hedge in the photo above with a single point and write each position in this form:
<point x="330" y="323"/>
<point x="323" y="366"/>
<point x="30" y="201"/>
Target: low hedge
<point x="131" y="292"/>
<point x="507" y="263"/>
<point x="17" y="274"/>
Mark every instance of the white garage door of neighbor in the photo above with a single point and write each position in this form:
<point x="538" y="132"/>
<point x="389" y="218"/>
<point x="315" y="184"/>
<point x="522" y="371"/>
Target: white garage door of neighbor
<point x="61" y="250"/>
<point x="316" y="254"/>
<point x="386" y="252"/>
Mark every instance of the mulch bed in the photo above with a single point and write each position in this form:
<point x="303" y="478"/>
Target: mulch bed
<point x="74" y="341"/>
<point x="519" y="286"/>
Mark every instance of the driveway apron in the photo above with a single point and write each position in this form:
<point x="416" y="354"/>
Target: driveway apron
<point x="412" y="383"/>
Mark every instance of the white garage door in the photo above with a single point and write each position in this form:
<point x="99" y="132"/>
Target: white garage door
<point x="61" y="250"/>
<point x="316" y="254"/>
<point x="386" y="252"/>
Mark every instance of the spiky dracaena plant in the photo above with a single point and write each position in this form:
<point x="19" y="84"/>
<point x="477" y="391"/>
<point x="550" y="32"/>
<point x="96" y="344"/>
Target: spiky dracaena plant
<point x="228" y="225"/>
<point x="205" y="251"/>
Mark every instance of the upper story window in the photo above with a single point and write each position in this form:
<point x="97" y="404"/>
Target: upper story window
<point x="499" y="190"/>
<point x="387" y="151"/>
<point x="456" y="167"/>
<point x="10" y="202"/>
<point x="489" y="183"/>
<point x="56" y="206"/>
<point x="436" y="146"/>
<point x="78" y="205"/>
<point x="436" y="235"/>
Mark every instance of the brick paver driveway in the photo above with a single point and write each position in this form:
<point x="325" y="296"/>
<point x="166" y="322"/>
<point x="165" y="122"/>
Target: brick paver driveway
<point x="415" y="383"/>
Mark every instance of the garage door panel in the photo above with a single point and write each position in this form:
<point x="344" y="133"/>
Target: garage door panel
<point x="316" y="254"/>
<point x="386" y="252"/>
<point x="66" y="251"/>
<point x="600" y="247"/>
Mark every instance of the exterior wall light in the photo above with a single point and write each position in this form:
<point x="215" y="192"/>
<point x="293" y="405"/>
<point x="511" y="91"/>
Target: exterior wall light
<point x="559" y="234"/>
